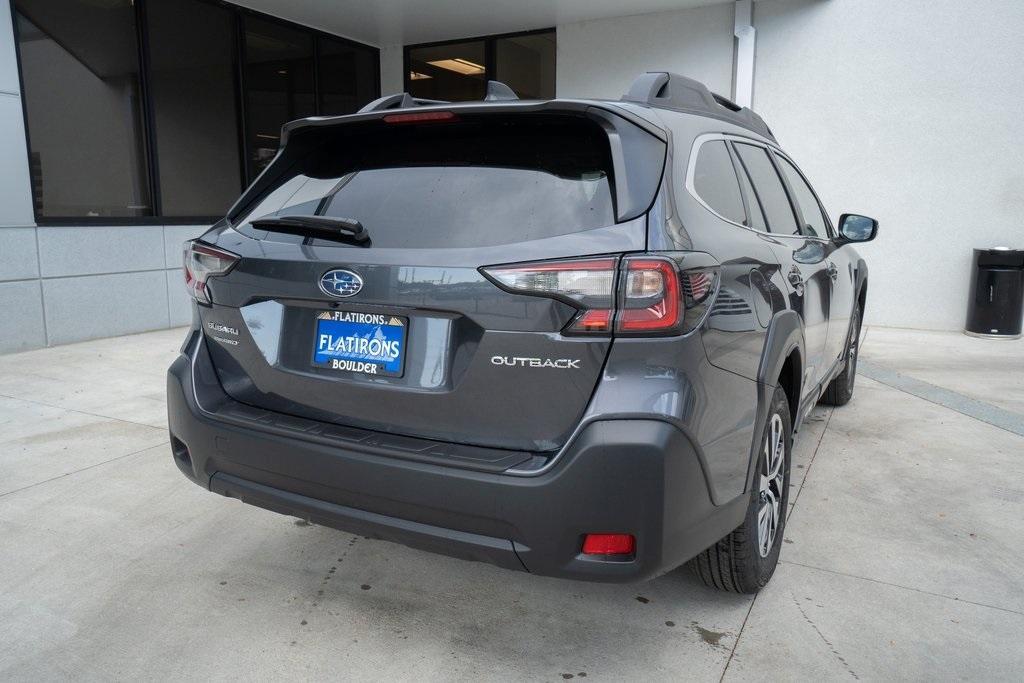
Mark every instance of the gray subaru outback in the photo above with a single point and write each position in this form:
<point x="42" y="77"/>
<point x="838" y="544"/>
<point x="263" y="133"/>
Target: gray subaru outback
<point x="569" y="337"/>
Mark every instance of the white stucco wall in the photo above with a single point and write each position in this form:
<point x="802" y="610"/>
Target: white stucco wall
<point x="911" y="112"/>
<point x="601" y="58"/>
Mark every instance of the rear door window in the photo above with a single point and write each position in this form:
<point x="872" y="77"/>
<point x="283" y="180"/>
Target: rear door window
<point x="715" y="181"/>
<point x="814" y="218"/>
<point x="769" y="189"/>
<point x="477" y="182"/>
<point x="756" y="218"/>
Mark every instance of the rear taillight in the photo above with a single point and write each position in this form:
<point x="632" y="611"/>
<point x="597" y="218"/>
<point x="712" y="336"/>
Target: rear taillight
<point x="586" y="284"/>
<point x="650" y="296"/>
<point x="201" y="263"/>
<point x="634" y="296"/>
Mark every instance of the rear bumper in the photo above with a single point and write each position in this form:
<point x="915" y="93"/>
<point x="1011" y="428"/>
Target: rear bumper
<point x="625" y="476"/>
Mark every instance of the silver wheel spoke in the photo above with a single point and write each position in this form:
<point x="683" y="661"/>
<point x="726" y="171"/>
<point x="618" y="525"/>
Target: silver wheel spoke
<point x="770" y="485"/>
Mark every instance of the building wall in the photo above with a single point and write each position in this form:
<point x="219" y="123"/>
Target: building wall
<point x="601" y="58"/>
<point x="66" y="284"/>
<point x="910" y="112"/>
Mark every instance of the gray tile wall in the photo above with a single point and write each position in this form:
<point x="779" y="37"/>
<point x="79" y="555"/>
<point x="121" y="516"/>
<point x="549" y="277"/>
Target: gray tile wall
<point x="65" y="284"/>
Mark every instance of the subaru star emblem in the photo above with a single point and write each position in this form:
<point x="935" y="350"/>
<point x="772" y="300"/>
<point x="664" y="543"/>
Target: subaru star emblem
<point x="341" y="283"/>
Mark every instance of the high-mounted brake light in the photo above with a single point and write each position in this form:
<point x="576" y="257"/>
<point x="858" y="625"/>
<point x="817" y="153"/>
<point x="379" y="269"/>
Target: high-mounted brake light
<point x="586" y="284"/>
<point x="201" y="263"/>
<point x="421" y="117"/>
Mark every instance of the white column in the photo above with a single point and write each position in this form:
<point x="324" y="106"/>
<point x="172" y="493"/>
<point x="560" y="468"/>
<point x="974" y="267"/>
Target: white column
<point x="743" y="77"/>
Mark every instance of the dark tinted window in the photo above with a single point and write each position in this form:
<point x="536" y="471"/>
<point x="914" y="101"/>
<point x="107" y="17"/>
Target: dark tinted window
<point x="192" y="85"/>
<point x="756" y="218"/>
<point x="278" y="84"/>
<point x="769" y="189"/>
<point x="813" y="218"/>
<point x="527" y="64"/>
<point x="714" y="179"/>
<point x="80" y="67"/>
<point x="492" y="180"/>
<point x="347" y="76"/>
<point x="453" y="72"/>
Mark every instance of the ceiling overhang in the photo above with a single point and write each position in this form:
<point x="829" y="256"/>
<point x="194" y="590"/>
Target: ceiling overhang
<point x="403" y="22"/>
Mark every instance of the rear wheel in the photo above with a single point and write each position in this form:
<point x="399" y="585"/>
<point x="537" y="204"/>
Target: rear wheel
<point x="840" y="390"/>
<point x="745" y="560"/>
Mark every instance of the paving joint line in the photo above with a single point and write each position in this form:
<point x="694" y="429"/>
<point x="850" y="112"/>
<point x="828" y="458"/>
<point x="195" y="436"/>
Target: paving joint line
<point x="82" y="412"/>
<point x="810" y="463"/>
<point x="952" y="598"/>
<point x="83" y="469"/>
<point x="736" y="643"/>
<point x="947" y="398"/>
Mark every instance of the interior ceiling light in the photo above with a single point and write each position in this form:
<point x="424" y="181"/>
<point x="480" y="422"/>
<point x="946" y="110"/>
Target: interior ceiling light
<point x="417" y="76"/>
<point x="461" y="66"/>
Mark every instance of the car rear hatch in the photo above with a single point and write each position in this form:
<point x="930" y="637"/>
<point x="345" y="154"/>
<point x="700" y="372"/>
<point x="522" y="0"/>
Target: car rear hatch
<point x="367" y="293"/>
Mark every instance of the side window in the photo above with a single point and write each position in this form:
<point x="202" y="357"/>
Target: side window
<point x="809" y="207"/>
<point x="769" y="189"/>
<point x="714" y="180"/>
<point x="757" y="219"/>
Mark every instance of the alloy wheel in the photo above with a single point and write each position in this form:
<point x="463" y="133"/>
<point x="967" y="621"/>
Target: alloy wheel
<point x="772" y="479"/>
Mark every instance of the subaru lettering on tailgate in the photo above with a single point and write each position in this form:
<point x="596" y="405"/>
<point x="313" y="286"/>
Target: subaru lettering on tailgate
<point x="365" y="343"/>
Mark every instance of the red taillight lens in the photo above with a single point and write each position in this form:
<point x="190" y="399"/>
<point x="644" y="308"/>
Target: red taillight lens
<point x="587" y="284"/>
<point x="203" y="262"/>
<point x="651" y="299"/>
<point x="649" y="295"/>
<point x="609" y="544"/>
<point x="421" y="117"/>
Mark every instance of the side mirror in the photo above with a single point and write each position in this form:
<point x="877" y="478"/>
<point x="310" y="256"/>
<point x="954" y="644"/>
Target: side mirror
<point x="856" y="228"/>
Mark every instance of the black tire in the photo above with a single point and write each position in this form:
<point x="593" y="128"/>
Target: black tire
<point x="840" y="390"/>
<point x="737" y="563"/>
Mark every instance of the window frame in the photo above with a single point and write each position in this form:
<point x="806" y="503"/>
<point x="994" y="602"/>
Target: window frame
<point x="771" y="150"/>
<point x="490" y="53"/>
<point x="829" y="230"/>
<point x="149" y="133"/>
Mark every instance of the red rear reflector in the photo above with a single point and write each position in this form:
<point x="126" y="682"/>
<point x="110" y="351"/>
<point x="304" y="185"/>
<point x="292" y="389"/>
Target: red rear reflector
<point x="420" y="117"/>
<point x="609" y="544"/>
<point x="651" y="300"/>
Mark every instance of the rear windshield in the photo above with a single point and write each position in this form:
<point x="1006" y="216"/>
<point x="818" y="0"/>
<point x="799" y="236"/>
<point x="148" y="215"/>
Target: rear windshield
<point x="479" y="181"/>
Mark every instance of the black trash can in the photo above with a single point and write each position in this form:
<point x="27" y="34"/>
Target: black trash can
<point x="996" y="306"/>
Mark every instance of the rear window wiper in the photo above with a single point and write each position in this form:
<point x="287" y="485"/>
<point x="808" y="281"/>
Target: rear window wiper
<point x="338" y="229"/>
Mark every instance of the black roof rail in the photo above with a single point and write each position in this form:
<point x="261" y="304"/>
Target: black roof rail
<point x="496" y="91"/>
<point x="672" y="91"/>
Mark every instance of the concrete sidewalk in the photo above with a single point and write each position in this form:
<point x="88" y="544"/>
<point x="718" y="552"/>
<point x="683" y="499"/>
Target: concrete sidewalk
<point x="903" y="558"/>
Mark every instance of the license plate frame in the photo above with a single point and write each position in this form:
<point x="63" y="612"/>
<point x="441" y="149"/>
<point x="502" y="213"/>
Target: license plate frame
<point x="343" y="351"/>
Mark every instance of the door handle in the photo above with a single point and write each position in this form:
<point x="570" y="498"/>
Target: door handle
<point x="797" y="280"/>
<point x="833" y="272"/>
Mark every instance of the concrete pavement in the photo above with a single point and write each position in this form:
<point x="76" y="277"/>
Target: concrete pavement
<point x="903" y="556"/>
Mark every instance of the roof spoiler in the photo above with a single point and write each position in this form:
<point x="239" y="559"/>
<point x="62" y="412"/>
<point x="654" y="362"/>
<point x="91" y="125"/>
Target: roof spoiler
<point x="672" y="91"/>
<point x="496" y="91"/>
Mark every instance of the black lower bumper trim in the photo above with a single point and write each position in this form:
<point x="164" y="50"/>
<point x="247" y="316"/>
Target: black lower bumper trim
<point x="462" y="544"/>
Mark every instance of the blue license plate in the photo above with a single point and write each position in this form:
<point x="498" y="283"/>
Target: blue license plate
<point x="363" y="343"/>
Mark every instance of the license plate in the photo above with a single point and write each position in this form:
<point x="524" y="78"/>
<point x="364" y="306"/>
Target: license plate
<point x="363" y="343"/>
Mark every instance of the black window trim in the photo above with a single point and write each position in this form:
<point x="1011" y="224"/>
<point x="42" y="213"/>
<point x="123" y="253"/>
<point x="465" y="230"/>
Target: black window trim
<point x="489" y="42"/>
<point x="149" y="127"/>
<point x="797" y="209"/>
